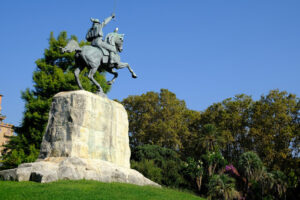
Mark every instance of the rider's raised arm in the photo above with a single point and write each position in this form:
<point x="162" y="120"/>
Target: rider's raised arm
<point x="107" y="20"/>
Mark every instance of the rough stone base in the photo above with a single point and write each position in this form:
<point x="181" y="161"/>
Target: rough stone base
<point x="73" y="168"/>
<point x="85" y="125"/>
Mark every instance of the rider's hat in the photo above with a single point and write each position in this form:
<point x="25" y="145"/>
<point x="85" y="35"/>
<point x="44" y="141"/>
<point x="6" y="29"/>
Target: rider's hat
<point x="95" y="20"/>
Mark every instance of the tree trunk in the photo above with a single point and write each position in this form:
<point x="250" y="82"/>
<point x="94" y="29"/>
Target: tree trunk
<point x="246" y="190"/>
<point x="199" y="182"/>
<point x="214" y="168"/>
<point x="210" y="170"/>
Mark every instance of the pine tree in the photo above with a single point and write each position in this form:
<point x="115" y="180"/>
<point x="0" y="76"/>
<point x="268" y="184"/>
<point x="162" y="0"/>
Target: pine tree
<point x="53" y="74"/>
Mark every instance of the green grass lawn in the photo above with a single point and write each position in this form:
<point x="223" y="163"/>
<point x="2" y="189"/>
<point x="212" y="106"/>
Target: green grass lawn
<point x="87" y="190"/>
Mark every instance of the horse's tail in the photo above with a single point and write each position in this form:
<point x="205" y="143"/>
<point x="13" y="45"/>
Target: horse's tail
<point x="71" y="46"/>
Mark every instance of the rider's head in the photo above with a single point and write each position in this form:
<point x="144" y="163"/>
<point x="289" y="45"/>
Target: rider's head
<point x="95" y="20"/>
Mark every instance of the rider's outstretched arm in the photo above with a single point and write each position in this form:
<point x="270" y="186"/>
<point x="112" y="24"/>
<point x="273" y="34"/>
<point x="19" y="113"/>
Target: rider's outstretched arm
<point x="107" y="20"/>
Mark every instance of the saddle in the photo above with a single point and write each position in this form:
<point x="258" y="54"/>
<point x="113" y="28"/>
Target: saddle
<point x="106" y="57"/>
<point x="105" y="53"/>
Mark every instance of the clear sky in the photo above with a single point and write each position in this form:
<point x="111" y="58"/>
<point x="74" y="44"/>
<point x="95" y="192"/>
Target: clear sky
<point x="202" y="50"/>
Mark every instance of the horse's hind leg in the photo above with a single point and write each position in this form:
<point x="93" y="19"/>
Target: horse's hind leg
<point x="91" y="77"/>
<point x="121" y="65"/>
<point x="76" y="73"/>
<point x="79" y="64"/>
<point x="112" y="71"/>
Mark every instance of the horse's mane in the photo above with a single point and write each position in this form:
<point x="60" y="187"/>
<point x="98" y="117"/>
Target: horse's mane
<point x="110" y="38"/>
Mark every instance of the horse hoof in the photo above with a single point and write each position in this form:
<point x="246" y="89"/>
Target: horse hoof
<point x="109" y="83"/>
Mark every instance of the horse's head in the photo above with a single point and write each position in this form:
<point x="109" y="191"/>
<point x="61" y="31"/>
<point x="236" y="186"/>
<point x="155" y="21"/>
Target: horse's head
<point x="116" y="40"/>
<point x="119" y="42"/>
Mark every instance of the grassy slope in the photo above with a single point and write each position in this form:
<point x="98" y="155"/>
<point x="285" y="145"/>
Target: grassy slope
<point x="72" y="190"/>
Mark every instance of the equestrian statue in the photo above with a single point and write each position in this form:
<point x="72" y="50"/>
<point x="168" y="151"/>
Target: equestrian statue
<point x="100" y="55"/>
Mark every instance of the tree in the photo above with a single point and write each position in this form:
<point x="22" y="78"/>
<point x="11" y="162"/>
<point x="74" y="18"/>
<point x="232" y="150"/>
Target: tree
<point x="163" y="164"/>
<point x="231" y="117"/>
<point x="195" y="170"/>
<point x="210" y="138"/>
<point x="273" y="185"/>
<point x="158" y="119"/>
<point x="214" y="161"/>
<point x="222" y="187"/>
<point x="274" y="129"/>
<point x="269" y="126"/>
<point x="279" y="184"/>
<point x="251" y="168"/>
<point x="54" y="73"/>
<point x="266" y="182"/>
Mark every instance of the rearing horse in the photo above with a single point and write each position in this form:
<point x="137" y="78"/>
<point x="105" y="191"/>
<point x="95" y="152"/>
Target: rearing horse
<point x="98" y="59"/>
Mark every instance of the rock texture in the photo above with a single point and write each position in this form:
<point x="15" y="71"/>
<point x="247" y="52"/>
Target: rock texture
<point x="85" y="125"/>
<point x="86" y="138"/>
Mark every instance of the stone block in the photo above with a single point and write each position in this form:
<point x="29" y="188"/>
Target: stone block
<point x="85" y="125"/>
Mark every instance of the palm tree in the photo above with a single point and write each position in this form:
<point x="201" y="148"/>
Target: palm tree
<point x="210" y="139"/>
<point x="280" y="185"/>
<point x="214" y="160"/>
<point x="266" y="181"/>
<point x="222" y="187"/>
<point x="251" y="168"/>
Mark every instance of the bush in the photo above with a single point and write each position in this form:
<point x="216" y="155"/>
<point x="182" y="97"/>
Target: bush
<point x="148" y="169"/>
<point x="149" y="158"/>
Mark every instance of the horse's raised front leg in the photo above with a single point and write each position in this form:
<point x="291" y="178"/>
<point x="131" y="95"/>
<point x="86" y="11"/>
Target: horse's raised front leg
<point x="91" y="77"/>
<point x="76" y="73"/>
<point x="121" y="65"/>
<point x="112" y="71"/>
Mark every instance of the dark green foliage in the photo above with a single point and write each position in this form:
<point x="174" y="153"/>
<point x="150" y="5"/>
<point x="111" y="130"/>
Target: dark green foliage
<point x="54" y="73"/>
<point x="201" y="171"/>
<point x="15" y="158"/>
<point x="250" y="166"/>
<point x="271" y="185"/>
<point x="194" y="170"/>
<point x="214" y="162"/>
<point x="209" y="139"/>
<point x="279" y="188"/>
<point x="148" y="169"/>
<point x="222" y="187"/>
<point x="166" y="160"/>
<point x="153" y="152"/>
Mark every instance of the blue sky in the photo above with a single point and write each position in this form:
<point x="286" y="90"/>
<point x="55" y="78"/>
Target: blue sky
<point x="203" y="51"/>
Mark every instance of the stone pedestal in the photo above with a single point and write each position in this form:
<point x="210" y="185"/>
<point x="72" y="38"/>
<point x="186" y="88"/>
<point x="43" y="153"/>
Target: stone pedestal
<point x="86" y="138"/>
<point x="85" y="125"/>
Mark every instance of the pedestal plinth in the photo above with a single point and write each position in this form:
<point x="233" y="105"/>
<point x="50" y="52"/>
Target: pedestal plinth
<point x="85" y="125"/>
